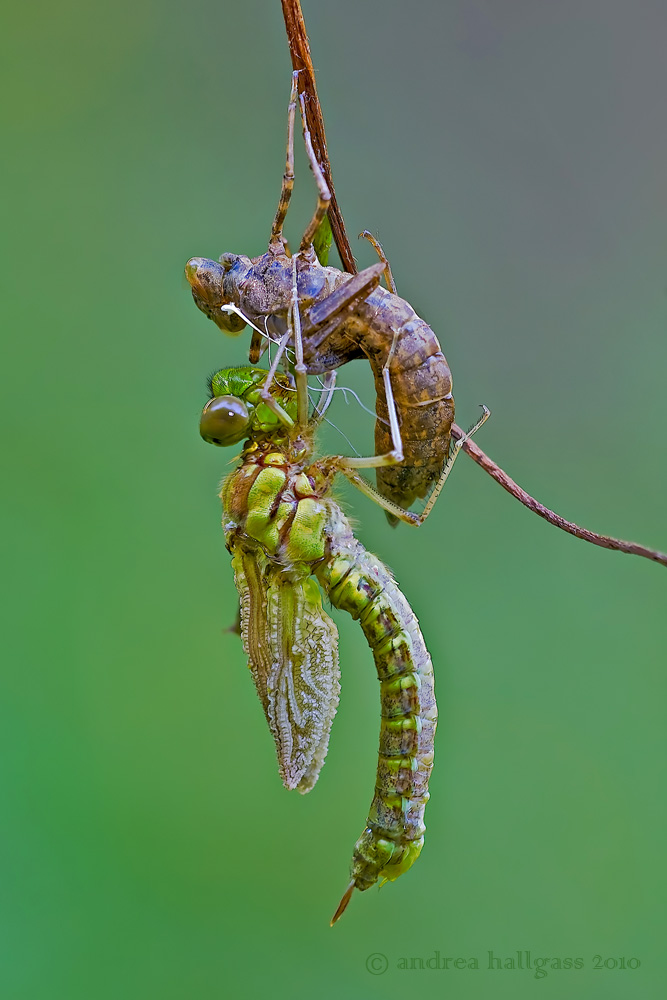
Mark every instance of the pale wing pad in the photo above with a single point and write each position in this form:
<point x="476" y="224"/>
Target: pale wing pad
<point x="292" y="648"/>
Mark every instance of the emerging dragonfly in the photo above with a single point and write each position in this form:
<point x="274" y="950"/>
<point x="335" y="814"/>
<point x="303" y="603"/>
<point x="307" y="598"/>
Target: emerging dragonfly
<point x="344" y="317"/>
<point x="285" y="532"/>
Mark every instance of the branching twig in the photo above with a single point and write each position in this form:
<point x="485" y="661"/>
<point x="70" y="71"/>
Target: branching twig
<point x="301" y="60"/>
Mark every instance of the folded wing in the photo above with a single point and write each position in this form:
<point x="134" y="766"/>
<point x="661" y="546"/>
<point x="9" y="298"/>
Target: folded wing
<point x="292" y="648"/>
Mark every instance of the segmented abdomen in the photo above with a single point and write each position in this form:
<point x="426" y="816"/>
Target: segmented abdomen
<point x="420" y="378"/>
<point x="422" y="384"/>
<point x="359" y="583"/>
<point x="281" y="528"/>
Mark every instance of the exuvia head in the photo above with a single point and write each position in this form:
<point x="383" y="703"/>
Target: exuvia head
<point x="207" y="281"/>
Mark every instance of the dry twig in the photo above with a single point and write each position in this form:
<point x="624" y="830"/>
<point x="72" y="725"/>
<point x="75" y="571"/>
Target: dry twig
<point x="300" y="53"/>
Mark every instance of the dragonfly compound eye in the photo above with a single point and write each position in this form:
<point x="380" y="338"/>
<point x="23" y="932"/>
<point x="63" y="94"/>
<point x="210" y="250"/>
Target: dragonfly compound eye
<point x="224" y="420"/>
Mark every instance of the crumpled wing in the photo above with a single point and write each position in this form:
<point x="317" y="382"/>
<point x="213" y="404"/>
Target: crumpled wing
<point x="292" y="647"/>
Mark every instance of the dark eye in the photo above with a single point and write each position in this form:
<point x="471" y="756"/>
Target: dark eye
<point x="224" y="420"/>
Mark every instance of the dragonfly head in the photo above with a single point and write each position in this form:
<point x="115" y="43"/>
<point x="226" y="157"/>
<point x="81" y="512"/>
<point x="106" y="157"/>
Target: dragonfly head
<point x="225" y="420"/>
<point x="207" y="281"/>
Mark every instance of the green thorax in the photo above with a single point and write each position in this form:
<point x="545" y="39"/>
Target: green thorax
<point x="276" y="503"/>
<point x="276" y="497"/>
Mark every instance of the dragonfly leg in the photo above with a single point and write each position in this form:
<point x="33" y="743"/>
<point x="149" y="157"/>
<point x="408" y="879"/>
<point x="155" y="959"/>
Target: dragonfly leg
<point x="393" y="508"/>
<point x="265" y="394"/>
<point x="323" y="193"/>
<point x="288" y="176"/>
<point x="348" y="466"/>
<point x="408" y="516"/>
<point x="447" y="467"/>
<point x="300" y="371"/>
<point x="388" y="276"/>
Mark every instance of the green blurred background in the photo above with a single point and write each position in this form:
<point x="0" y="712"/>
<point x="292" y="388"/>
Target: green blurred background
<point x="511" y="156"/>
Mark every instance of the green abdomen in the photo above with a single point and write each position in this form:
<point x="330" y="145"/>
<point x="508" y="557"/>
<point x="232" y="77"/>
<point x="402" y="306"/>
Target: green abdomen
<point x="359" y="583"/>
<point x="288" y="532"/>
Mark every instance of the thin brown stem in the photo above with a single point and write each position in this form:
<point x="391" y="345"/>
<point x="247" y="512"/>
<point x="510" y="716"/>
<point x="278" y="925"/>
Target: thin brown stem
<point x="301" y="60"/>
<point x="538" y="508"/>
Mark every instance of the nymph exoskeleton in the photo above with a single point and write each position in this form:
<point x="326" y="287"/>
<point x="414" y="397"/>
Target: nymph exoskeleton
<point x="343" y="317"/>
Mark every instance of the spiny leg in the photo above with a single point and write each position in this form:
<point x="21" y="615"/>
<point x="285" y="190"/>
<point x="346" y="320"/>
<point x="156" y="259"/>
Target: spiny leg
<point x="408" y="516"/>
<point x="447" y="468"/>
<point x="388" y="276"/>
<point x="323" y="193"/>
<point x="288" y="176"/>
<point x="365" y="487"/>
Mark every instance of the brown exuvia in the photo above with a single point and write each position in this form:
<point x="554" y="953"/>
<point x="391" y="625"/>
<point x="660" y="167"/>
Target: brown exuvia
<point x="342" y="317"/>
